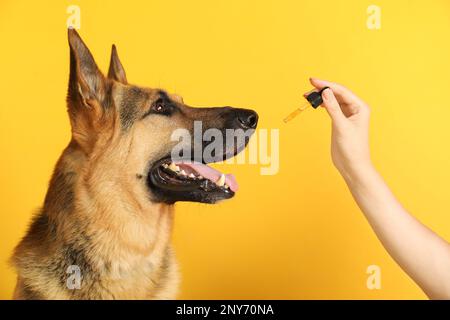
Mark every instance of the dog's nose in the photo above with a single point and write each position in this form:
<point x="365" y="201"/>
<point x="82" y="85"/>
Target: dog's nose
<point x="248" y="119"/>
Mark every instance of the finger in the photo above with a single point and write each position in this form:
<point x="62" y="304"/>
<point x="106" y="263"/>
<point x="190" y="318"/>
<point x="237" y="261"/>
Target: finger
<point x="332" y="106"/>
<point x="342" y="94"/>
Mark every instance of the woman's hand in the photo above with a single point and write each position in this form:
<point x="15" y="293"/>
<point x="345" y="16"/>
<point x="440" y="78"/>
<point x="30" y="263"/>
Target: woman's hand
<point x="418" y="250"/>
<point x="350" y="131"/>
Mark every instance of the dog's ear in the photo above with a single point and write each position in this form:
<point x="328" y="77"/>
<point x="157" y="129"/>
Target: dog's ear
<point x="87" y="98"/>
<point x="116" y="70"/>
<point x="86" y="82"/>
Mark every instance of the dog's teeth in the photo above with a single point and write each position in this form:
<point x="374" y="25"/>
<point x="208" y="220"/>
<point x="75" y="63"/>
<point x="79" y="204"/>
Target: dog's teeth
<point x="165" y="166"/>
<point x="192" y="175"/>
<point x="226" y="186"/>
<point x="221" y="181"/>
<point x="182" y="172"/>
<point x="174" y="167"/>
<point x="200" y="177"/>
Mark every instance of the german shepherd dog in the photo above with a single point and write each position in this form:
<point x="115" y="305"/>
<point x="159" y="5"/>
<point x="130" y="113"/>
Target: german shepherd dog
<point x="109" y="206"/>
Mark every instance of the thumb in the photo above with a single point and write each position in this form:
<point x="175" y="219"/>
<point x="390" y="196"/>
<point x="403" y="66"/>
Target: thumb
<point x="332" y="106"/>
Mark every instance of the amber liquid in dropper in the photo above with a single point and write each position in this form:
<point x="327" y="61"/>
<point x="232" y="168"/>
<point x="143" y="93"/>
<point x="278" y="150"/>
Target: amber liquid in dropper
<point x="314" y="99"/>
<point x="296" y="112"/>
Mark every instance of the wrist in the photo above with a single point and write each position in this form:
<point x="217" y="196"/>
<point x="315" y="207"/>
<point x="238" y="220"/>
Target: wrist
<point x="357" y="170"/>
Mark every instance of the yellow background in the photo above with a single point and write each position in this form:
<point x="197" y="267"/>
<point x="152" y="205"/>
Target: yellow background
<point x="294" y="235"/>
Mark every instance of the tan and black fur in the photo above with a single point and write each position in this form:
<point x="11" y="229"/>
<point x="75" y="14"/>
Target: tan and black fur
<point x="100" y="213"/>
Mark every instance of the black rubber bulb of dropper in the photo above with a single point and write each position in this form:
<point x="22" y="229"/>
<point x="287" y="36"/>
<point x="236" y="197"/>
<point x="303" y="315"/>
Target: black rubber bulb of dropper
<point x="315" y="98"/>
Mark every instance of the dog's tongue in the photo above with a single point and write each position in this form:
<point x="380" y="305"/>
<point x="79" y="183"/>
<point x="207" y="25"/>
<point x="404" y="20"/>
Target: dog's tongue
<point x="211" y="173"/>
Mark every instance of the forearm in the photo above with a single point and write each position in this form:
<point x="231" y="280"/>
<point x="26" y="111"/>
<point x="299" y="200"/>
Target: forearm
<point x="422" y="254"/>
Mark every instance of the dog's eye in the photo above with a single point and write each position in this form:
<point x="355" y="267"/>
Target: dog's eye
<point x="162" y="107"/>
<point x="158" y="106"/>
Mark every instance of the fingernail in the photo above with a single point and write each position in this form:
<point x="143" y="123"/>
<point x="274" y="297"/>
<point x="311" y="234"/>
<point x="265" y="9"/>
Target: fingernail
<point x="326" y="94"/>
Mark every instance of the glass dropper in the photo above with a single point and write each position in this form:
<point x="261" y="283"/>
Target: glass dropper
<point x="314" y="99"/>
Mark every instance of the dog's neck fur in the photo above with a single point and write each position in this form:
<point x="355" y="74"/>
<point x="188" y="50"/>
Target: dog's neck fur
<point x="123" y="244"/>
<point x="95" y="190"/>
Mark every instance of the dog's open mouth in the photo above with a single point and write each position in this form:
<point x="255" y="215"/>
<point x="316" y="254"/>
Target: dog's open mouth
<point x="189" y="177"/>
<point x="190" y="181"/>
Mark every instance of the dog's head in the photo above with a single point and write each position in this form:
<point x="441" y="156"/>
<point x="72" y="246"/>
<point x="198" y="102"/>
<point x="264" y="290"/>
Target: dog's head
<point x="128" y="131"/>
